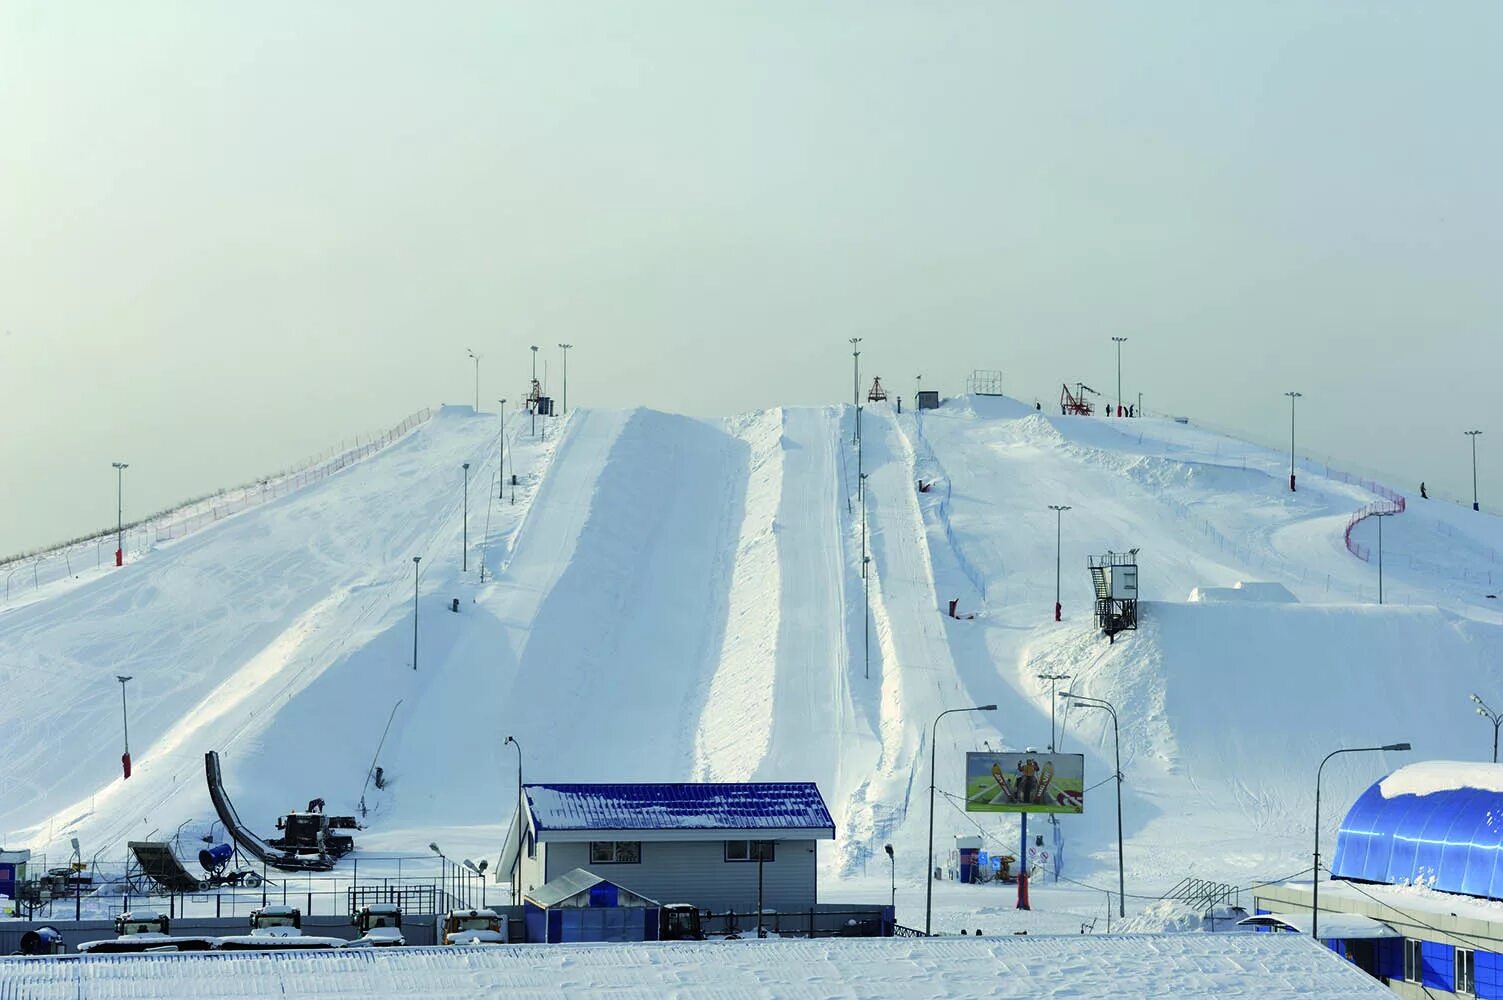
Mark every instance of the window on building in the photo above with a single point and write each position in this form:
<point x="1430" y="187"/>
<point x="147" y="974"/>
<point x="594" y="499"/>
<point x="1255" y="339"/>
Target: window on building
<point x="748" y="850"/>
<point x="1466" y="972"/>
<point x="1413" y="970"/>
<point x="615" y="852"/>
<point x="532" y="846"/>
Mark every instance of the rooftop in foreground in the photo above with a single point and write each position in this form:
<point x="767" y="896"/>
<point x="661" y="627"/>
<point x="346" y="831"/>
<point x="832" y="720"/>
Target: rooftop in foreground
<point x="1265" y="966"/>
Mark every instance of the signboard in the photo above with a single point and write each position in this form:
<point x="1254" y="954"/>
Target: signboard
<point x="1025" y="782"/>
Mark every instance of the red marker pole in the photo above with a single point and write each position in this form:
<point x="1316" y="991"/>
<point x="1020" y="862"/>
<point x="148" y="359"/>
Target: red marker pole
<point x="124" y="719"/>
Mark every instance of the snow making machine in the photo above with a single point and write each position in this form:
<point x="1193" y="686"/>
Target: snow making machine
<point x="308" y="841"/>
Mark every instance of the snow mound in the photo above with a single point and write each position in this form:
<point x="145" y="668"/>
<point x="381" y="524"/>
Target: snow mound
<point x="1243" y="590"/>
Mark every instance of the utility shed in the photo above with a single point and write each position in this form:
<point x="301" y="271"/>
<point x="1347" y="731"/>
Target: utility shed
<point x="720" y="846"/>
<point x="582" y="906"/>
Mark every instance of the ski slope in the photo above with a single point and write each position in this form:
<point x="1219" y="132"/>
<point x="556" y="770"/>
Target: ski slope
<point x="673" y="598"/>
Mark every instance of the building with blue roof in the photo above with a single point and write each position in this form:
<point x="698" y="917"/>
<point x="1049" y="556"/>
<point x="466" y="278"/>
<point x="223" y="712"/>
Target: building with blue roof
<point x="1416" y="889"/>
<point x="719" y="846"/>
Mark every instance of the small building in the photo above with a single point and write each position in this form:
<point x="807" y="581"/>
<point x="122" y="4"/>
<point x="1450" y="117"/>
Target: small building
<point x="582" y="906"/>
<point x="718" y="846"/>
<point x="1415" y="883"/>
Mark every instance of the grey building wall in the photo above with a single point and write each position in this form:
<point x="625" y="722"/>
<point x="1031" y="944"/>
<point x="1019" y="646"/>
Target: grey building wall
<point x="697" y="872"/>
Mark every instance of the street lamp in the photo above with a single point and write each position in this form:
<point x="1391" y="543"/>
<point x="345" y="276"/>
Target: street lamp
<point x="1051" y="678"/>
<point x="893" y="866"/>
<point x="464" y="543"/>
<point x="1496" y="718"/>
<point x="476" y="358"/>
<point x="1473" y="436"/>
<point x="120" y="468"/>
<point x="1292" y="397"/>
<point x="1059" y="527"/>
<point x="1119" y="342"/>
<point x="124" y="725"/>
<point x="1117" y="752"/>
<point x="565" y="349"/>
<point x="1315" y="874"/>
<point x="480" y="871"/>
<point x="516" y="887"/>
<point x="415" y="561"/>
<point x="929" y="871"/>
<point x="502" y="495"/>
<point x="856" y="384"/>
<point x="1380" y="515"/>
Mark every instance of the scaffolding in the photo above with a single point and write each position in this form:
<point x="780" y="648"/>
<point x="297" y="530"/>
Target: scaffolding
<point x="984" y="382"/>
<point x="1114" y="578"/>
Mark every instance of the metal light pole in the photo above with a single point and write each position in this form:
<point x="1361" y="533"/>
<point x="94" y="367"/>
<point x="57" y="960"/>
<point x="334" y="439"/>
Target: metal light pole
<point x="856" y="384"/>
<point x="1117" y="752"/>
<point x="1380" y="515"/>
<point x="1059" y="522"/>
<point x="502" y="494"/>
<point x="565" y="349"/>
<point x="866" y="586"/>
<point x="120" y="468"/>
<point x="415" y="561"/>
<point x="1119" y="342"/>
<point x="1292" y="397"/>
<point x="1315" y="873"/>
<point x="1473" y="436"/>
<point x="532" y="391"/>
<point x="929" y="871"/>
<point x="1496" y="718"/>
<point x="464" y="544"/>
<point x="124" y="725"/>
<point x="1051" y="678"/>
<point x="516" y="888"/>
<point x="476" y="358"/>
<point x="893" y="878"/>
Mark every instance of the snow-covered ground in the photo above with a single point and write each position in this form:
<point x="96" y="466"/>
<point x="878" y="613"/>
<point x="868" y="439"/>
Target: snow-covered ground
<point x="672" y="598"/>
<point x="1267" y="966"/>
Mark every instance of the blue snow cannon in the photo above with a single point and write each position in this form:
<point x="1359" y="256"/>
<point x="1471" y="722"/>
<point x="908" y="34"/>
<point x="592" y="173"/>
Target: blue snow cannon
<point x="215" y="859"/>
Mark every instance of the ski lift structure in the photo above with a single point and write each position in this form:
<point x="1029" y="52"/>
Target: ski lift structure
<point x="1114" y="577"/>
<point x="1075" y="403"/>
<point x="877" y="393"/>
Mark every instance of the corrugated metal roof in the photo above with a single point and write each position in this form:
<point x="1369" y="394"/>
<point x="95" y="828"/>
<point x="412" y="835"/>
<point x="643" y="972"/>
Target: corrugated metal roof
<point x="686" y="806"/>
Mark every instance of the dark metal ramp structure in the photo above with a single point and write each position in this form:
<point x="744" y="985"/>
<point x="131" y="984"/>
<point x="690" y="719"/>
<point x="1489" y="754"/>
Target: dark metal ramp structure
<point x="155" y="861"/>
<point x="249" y="841"/>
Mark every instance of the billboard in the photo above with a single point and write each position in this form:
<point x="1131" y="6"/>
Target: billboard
<point x="1025" y="782"/>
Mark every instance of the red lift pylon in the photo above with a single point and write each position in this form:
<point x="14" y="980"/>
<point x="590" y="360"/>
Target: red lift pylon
<point x="1076" y="402"/>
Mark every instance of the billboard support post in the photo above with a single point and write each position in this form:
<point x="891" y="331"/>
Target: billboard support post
<point x="1023" y="867"/>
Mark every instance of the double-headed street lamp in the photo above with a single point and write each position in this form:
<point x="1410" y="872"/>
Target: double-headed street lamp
<point x="1292" y="397"/>
<point x="1496" y="718"/>
<point x="1119" y="341"/>
<point x="1380" y="515"/>
<point x="120" y="468"/>
<point x="1052" y="678"/>
<point x="929" y="871"/>
<point x="1473" y="436"/>
<point x="1315" y="874"/>
<point x="1117" y="752"/>
<point x="476" y="358"/>
<point x="1059" y="528"/>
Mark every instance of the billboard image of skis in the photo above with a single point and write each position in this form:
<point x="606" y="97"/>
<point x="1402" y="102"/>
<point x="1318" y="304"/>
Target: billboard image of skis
<point x="1025" y="782"/>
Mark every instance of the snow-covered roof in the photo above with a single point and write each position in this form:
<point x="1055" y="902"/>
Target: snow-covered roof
<point x="1345" y="926"/>
<point x="1086" y="966"/>
<point x="772" y="806"/>
<point x="577" y="882"/>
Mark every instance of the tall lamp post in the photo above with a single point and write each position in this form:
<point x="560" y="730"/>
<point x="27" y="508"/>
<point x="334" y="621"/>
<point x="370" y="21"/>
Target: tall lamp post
<point x="1496" y="718"/>
<point x="476" y="358"/>
<point x="1315" y="874"/>
<point x="856" y="384"/>
<point x="516" y="871"/>
<point x="1473" y="436"/>
<point x="893" y="877"/>
<point x="1059" y="528"/>
<point x="415" y="561"/>
<point x="1117" y="752"/>
<point x="1380" y="515"/>
<point x="1292" y="397"/>
<point x="929" y="871"/>
<point x="1052" y="678"/>
<point x="464" y="543"/>
<point x="1119" y="342"/>
<point x="125" y="727"/>
<point x="502" y="495"/>
<point x="120" y="468"/>
<point x="565" y="349"/>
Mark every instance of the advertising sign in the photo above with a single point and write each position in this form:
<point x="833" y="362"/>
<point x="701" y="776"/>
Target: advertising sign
<point x="1025" y="782"/>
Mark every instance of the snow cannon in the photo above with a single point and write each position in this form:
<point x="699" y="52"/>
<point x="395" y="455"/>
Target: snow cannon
<point x="215" y="859"/>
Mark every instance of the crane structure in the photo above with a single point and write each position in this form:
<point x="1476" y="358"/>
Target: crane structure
<point x="1076" y="403"/>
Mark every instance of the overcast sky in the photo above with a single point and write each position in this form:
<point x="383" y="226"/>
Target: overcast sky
<point x="234" y="234"/>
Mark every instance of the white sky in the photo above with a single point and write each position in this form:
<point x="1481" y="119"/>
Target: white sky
<point x="232" y="235"/>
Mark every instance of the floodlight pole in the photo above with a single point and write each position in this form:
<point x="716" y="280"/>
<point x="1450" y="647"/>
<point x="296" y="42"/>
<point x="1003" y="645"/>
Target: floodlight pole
<point x="856" y="384"/>
<point x="1119" y="342"/>
<point x="933" y="760"/>
<point x="866" y="600"/>
<point x="1380" y="515"/>
<point x="476" y="358"/>
<point x="565" y="349"/>
<point x="1051" y="678"/>
<point x="1473" y="436"/>
<point x="517" y="865"/>
<point x="1315" y="873"/>
<point x="1117" y="754"/>
<point x="415" y="561"/>
<point x="464" y="544"/>
<point x="1292" y="397"/>
<point x="1059" y="527"/>
<point x="125" y="726"/>
<point x="120" y="468"/>
<point x="502" y="494"/>
<point x="893" y="878"/>
<point x="1496" y="718"/>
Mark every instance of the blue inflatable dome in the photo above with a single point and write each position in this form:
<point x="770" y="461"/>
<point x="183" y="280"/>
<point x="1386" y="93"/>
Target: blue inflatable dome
<point x="1438" y="822"/>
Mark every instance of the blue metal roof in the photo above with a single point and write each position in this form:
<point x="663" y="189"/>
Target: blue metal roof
<point x="1450" y="839"/>
<point x="702" y="806"/>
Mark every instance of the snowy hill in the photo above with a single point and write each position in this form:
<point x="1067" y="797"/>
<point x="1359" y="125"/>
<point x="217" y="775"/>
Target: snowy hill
<point x="676" y="598"/>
